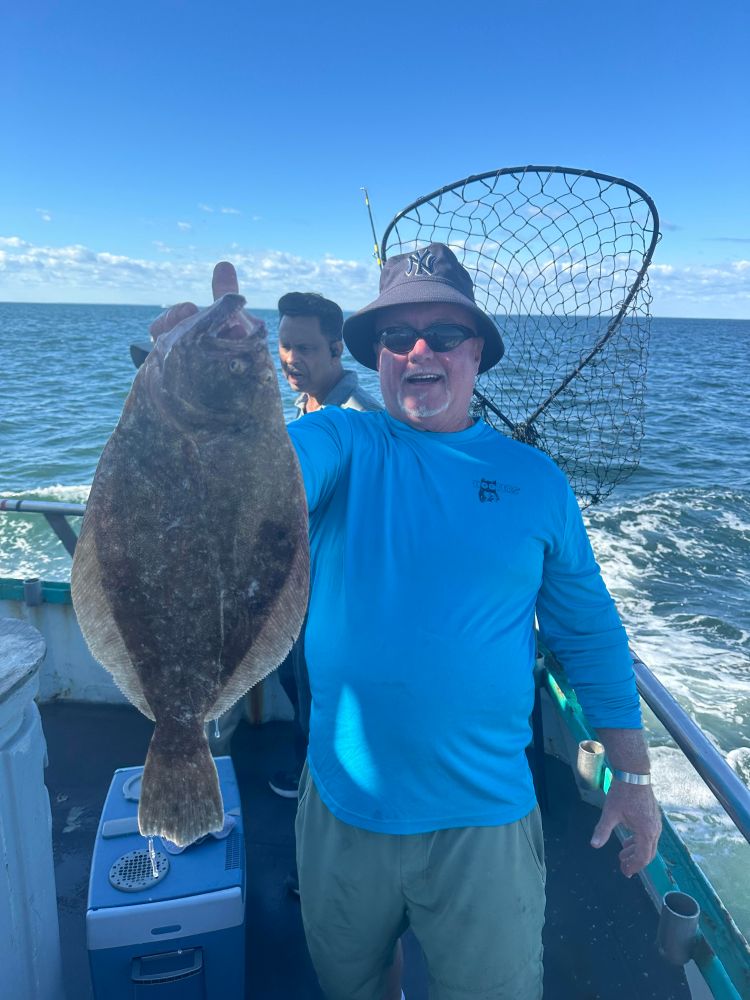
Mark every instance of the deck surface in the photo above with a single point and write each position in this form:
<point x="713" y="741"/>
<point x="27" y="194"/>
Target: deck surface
<point x="600" y="926"/>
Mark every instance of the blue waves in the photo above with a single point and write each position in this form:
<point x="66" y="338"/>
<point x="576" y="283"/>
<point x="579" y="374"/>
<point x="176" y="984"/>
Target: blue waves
<point x="673" y="541"/>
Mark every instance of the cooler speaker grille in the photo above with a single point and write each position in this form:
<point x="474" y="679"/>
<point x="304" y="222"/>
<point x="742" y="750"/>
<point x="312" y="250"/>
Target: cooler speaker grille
<point x="132" y="872"/>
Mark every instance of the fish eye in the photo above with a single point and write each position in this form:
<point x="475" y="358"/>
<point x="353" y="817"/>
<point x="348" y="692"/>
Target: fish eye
<point x="236" y="366"/>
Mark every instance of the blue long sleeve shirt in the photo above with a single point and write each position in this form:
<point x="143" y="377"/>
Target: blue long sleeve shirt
<point x="430" y="554"/>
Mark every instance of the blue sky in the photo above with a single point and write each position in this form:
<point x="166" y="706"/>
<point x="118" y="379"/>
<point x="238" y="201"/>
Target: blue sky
<point x="143" y="141"/>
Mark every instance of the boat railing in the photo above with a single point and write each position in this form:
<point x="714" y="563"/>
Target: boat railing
<point x="55" y="513"/>
<point x="708" y="762"/>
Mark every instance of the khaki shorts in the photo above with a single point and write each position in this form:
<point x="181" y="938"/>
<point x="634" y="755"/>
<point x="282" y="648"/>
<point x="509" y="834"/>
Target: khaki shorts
<point x="474" y="898"/>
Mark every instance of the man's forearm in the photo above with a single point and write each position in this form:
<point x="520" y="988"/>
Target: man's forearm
<point x="626" y="749"/>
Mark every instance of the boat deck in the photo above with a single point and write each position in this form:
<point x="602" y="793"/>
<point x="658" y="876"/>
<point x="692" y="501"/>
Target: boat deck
<point x="600" y="929"/>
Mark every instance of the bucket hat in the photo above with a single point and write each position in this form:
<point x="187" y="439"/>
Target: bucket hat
<point x="428" y="275"/>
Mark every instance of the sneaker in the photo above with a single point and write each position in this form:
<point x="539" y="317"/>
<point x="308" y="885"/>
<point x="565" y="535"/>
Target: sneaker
<point x="285" y="784"/>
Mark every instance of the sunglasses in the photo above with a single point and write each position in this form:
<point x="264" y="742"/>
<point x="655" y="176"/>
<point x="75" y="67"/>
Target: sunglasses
<point x="441" y="337"/>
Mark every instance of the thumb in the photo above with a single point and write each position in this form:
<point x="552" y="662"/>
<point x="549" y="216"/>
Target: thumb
<point x="224" y="279"/>
<point x="602" y="831"/>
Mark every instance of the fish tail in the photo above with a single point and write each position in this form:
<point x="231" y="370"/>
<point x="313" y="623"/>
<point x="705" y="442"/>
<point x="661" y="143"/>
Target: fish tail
<point x="180" y="796"/>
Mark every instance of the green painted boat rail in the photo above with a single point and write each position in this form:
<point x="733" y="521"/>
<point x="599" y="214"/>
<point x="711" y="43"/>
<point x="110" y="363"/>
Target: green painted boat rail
<point x="722" y="953"/>
<point x="53" y="591"/>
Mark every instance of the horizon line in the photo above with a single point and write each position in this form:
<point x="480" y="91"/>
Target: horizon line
<point x="151" y="305"/>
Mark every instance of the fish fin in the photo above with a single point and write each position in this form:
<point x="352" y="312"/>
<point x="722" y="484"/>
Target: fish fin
<point x="180" y="795"/>
<point x="275" y="639"/>
<point x="98" y="625"/>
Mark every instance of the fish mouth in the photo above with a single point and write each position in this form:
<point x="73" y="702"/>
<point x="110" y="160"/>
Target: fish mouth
<point x="235" y="331"/>
<point x="240" y="334"/>
<point x="224" y="326"/>
<point x="221" y="343"/>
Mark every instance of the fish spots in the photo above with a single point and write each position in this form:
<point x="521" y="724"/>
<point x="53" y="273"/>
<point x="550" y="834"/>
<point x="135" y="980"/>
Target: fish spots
<point x="194" y="545"/>
<point x="276" y="550"/>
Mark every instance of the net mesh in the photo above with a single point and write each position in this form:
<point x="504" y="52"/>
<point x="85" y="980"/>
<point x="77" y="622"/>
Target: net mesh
<point x="558" y="257"/>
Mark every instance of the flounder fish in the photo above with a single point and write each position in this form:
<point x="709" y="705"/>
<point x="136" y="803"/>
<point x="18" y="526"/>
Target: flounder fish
<point x="191" y="572"/>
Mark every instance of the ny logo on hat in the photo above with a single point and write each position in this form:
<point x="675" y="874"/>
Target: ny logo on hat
<point x="421" y="262"/>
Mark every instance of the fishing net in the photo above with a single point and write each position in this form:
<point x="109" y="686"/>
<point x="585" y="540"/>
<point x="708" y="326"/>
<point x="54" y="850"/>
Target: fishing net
<point x="558" y="256"/>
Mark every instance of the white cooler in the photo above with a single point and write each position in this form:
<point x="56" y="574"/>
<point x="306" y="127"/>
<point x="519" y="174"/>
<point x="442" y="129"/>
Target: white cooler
<point x="181" y="935"/>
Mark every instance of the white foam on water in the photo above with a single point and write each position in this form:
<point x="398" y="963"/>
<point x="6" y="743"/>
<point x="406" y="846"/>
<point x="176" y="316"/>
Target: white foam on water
<point x="57" y="492"/>
<point x="686" y="798"/>
<point x="730" y="520"/>
<point x="675" y="562"/>
<point x="28" y="545"/>
<point x="739" y="760"/>
<point x="707" y="831"/>
<point x="661" y="556"/>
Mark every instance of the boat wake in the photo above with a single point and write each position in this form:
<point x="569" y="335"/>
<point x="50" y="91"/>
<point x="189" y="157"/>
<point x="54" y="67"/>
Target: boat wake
<point x="678" y="564"/>
<point x="28" y="547"/>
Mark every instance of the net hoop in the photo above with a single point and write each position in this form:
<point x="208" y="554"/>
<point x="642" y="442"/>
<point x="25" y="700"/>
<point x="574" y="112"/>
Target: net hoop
<point x="559" y="256"/>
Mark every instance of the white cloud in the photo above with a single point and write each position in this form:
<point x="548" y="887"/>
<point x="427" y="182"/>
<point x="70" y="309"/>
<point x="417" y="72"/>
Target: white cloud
<point x="44" y="214"/>
<point x="570" y="280"/>
<point x="76" y="273"/>
<point x="551" y="211"/>
<point x="205" y="208"/>
<point x="701" y="290"/>
<point x="349" y="282"/>
<point x="230" y="211"/>
<point x="184" y="226"/>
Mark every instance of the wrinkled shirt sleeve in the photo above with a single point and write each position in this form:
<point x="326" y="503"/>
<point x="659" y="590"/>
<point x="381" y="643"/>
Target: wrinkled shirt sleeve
<point x="322" y="441"/>
<point x="579" y="623"/>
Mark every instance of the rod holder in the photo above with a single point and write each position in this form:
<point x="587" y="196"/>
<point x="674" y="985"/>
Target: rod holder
<point x="590" y="763"/>
<point x="678" y="927"/>
<point x="32" y="591"/>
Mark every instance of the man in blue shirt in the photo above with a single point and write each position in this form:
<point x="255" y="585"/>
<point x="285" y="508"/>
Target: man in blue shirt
<point x="435" y="541"/>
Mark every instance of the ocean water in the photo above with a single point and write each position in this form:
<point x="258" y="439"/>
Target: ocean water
<point x="673" y="541"/>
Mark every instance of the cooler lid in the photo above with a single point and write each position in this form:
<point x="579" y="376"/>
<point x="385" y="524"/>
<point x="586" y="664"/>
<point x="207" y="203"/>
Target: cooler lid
<point x="121" y="871"/>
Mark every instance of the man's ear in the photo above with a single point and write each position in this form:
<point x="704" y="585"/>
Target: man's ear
<point x="480" y="348"/>
<point x="337" y="348"/>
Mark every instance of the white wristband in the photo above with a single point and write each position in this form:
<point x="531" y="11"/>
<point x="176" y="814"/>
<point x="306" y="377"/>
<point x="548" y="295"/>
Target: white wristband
<point x="631" y="779"/>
